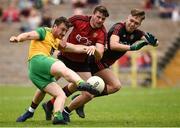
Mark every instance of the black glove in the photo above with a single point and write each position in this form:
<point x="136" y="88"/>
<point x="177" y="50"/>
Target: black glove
<point x="151" y="40"/>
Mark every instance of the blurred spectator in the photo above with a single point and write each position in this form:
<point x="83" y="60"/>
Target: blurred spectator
<point x="46" y="17"/>
<point x="78" y="6"/>
<point x="46" y="13"/>
<point x="24" y="4"/>
<point x="25" y="12"/>
<point x="166" y="8"/>
<point x="176" y="15"/>
<point x="32" y="21"/>
<point x="25" y="7"/>
<point x="148" y="4"/>
<point x="92" y="3"/>
<point x="38" y="4"/>
<point x="57" y="2"/>
<point x="144" y="60"/>
<point x="46" y="20"/>
<point x="125" y="61"/>
<point x="11" y="14"/>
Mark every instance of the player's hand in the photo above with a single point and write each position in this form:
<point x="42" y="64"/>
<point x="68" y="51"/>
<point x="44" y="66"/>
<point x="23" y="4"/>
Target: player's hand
<point x="14" y="39"/>
<point x="90" y="50"/>
<point x="151" y="39"/>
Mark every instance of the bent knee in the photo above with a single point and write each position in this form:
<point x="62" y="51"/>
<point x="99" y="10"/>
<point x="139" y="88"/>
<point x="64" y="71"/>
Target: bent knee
<point x="117" y="87"/>
<point x="62" y="95"/>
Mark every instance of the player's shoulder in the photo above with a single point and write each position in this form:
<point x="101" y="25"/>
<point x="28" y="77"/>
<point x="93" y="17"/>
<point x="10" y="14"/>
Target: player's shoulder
<point x="103" y="29"/>
<point x="47" y="29"/>
<point x="43" y="32"/>
<point x="138" y="31"/>
<point x="80" y="18"/>
<point x="119" y="25"/>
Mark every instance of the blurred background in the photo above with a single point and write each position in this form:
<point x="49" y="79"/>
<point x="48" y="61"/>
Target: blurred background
<point x="156" y="67"/>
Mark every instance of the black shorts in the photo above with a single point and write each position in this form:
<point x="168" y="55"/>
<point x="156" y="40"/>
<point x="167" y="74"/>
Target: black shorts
<point x="97" y="66"/>
<point x="75" y="66"/>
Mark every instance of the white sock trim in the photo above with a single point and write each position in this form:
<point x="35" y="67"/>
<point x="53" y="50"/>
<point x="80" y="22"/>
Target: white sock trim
<point x="66" y="111"/>
<point x="31" y="109"/>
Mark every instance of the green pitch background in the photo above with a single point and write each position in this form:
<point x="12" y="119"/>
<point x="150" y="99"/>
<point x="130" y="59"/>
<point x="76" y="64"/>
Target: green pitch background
<point x="128" y="107"/>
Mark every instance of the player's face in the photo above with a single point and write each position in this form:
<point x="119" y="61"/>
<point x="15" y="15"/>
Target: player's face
<point x="97" y="20"/>
<point x="132" y="23"/>
<point x="60" y="31"/>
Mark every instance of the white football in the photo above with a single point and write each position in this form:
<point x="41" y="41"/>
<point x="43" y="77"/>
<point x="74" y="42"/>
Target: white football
<point x="97" y="82"/>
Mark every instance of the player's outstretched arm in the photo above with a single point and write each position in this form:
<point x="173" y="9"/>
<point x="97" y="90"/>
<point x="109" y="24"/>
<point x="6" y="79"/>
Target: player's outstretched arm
<point x="138" y="45"/>
<point x="33" y="35"/>
<point x="116" y="46"/>
<point x="69" y="47"/>
<point x="90" y="50"/>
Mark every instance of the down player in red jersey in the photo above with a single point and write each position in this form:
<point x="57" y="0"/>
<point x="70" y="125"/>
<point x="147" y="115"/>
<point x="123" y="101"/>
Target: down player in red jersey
<point x="122" y="37"/>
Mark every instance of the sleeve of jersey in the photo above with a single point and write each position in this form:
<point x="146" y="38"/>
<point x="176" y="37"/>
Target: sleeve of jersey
<point x="102" y="36"/>
<point x="117" y="29"/>
<point x="42" y="33"/>
<point x="75" y="20"/>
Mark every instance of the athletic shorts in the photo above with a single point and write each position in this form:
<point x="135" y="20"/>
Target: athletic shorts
<point x="97" y="66"/>
<point x="39" y="68"/>
<point x="75" y="66"/>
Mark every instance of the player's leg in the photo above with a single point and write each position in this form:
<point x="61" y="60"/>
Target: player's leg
<point x="48" y="106"/>
<point x="38" y="69"/>
<point x="112" y="82"/>
<point x="82" y="69"/>
<point x="112" y="85"/>
<point x="78" y="102"/>
<point x="80" y="110"/>
<point x="59" y="69"/>
<point x="55" y="90"/>
<point x="38" y="97"/>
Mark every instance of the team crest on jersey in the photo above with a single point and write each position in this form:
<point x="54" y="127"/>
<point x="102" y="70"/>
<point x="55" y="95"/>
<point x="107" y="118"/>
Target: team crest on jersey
<point x="83" y="40"/>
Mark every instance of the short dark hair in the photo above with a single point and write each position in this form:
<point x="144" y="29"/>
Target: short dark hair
<point x="64" y="20"/>
<point x="102" y="10"/>
<point x="139" y="13"/>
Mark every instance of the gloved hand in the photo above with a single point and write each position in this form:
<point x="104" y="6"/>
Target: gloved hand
<point x="151" y="39"/>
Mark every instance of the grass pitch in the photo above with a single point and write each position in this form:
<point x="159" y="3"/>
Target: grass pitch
<point x="126" y="108"/>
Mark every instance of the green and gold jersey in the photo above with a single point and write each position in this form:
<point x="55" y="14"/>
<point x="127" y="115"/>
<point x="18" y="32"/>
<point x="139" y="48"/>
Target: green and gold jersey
<point x="45" y="45"/>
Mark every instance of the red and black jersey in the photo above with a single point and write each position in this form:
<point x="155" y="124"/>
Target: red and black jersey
<point x="119" y="29"/>
<point x="84" y="34"/>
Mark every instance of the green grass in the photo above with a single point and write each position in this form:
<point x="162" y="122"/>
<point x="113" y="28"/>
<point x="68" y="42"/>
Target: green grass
<point x="129" y="107"/>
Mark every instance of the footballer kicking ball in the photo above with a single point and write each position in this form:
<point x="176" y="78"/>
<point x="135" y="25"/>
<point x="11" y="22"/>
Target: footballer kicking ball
<point x="97" y="83"/>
